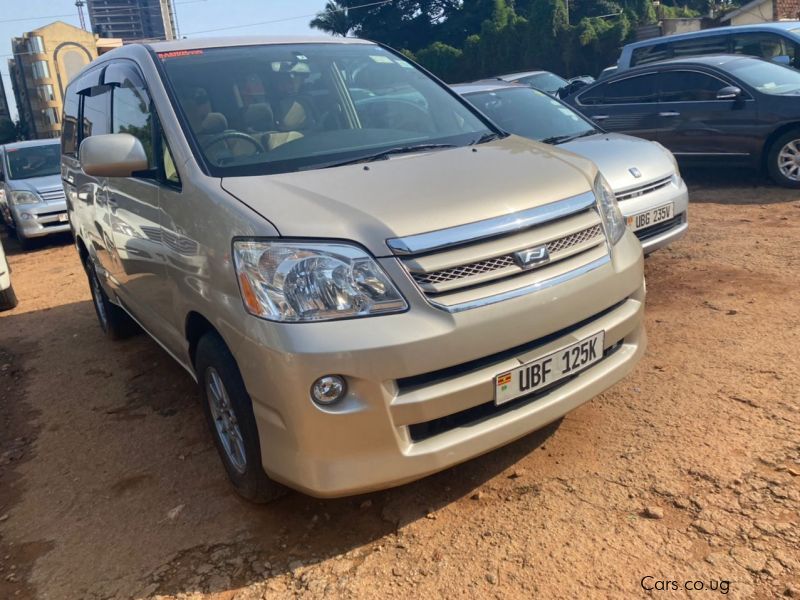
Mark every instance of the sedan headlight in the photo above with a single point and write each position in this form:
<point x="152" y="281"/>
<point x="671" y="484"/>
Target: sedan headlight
<point x="18" y="198"/>
<point x="607" y="206"/>
<point x="297" y="281"/>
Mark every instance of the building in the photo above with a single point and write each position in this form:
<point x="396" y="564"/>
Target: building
<point x="5" y="114"/>
<point x="45" y="60"/>
<point x="763" y="11"/>
<point x="133" y="19"/>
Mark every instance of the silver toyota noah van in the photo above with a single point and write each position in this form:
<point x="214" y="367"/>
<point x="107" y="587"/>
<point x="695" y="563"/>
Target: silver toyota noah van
<point x="368" y="280"/>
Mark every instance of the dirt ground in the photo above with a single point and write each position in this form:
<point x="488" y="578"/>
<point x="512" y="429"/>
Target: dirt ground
<point x="688" y="470"/>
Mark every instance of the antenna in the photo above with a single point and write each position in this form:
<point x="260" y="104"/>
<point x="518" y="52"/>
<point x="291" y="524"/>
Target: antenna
<point x="80" y="4"/>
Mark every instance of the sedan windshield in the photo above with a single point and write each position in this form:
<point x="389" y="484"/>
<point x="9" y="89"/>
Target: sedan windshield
<point x="33" y="161"/>
<point x="286" y="107"/>
<point x="532" y="114"/>
<point x="767" y="77"/>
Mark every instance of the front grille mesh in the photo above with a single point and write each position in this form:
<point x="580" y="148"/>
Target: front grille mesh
<point x="502" y="262"/>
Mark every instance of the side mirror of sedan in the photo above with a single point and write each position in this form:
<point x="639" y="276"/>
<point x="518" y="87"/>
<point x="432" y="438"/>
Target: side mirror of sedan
<point x="730" y="92"/>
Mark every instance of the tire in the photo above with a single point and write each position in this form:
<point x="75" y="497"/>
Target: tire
<point x="115" y="322"/>
<point x="24" y="243"/>
<point x="227" y="405"/>
<point x="779" y="160"/>
<point x="8" y="299"/>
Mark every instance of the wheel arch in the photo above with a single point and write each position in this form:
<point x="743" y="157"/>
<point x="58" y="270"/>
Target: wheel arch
<point x="195" y="327"/>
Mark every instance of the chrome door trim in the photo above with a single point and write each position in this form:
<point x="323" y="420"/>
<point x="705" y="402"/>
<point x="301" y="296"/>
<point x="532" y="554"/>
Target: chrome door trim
<point x="478" y="230"/>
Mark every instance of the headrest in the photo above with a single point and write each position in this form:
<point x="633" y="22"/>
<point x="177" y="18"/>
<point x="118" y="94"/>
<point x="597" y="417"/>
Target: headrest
<point x="213" y="123"/>
<point x="259" y="117"/>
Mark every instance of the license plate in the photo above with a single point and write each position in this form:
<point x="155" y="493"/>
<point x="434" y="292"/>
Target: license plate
<point x="544" y="371"/>
<point x="651" y="217"/>
<point x="63" y="218"/>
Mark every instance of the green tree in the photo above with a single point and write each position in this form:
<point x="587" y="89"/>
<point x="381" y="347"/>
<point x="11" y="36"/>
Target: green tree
<point x="334" y="19"/>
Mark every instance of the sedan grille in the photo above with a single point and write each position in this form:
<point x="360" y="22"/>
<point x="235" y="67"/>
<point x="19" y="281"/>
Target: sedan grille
<point x="644" y="189"/>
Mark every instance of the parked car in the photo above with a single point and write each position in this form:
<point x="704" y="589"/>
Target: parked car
<point x="33" y="202"/>
<point x="574" y="84"/>
<point x="729" y="110"/>
<point x="545" y="81"/>
<point x="8" y="299"/>
<point x="644" y="175"/>
<point x="779" y="42"/>
<point x="386" y="291"/>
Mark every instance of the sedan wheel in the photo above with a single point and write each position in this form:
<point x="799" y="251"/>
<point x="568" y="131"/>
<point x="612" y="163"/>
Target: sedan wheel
<point x="783" y="160"/>
<point x="789" y="160"/>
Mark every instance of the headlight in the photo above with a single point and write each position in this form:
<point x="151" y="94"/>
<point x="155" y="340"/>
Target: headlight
<point x="18" y="198"/>
<point x="609" y="210"/>
<point x="296" y="281"/>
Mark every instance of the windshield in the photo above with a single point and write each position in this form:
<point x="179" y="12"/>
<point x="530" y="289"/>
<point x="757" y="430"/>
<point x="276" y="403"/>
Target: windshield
<point x="547" y="82"/>
<point x="767" y="77"/>
<point x="531" y="113"/>
<point x="285" y="107"/>
<point x="33" y="161"/>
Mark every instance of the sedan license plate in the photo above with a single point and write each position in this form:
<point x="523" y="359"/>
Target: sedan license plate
<point x="651" y="217"/>
<point x="540" y="373"/>
<point x="63" y="218"/>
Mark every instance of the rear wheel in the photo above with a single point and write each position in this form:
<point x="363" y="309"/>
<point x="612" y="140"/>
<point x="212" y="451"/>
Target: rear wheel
<point x="783" y="161"/>
<point x="115" y="322"/>
<point x="8" y="299"/>
<point x="229" y="412"/>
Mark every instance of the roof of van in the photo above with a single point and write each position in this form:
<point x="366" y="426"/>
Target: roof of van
<point x="250" y="40"/>
<point x="779" y="25"/>
<point x="29" y="143"/>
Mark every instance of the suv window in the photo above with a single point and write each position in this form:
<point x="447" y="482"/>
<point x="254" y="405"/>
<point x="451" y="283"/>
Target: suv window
<point x="69" y="130"/>
<point x="649" y="54"/>
<point x="765" y="45"/>
<point x="632" y="90"/>
<point x="96" y="109"/>
<point x="713" y="44"/>
<point x="688" y="86"/>
<point x="131" y="113"/>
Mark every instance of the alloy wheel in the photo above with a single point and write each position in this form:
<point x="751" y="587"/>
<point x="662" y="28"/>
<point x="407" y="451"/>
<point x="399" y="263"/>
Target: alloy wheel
<point x="789" y="160"/>
<point x="225" y="422"/>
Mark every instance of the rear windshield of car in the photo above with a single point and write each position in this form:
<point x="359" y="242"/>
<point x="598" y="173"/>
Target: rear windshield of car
<point x="285" y="107"/>
<point x="767" y="77"/>
<point x="33" y="161"/>
<point x="530" y="113"/>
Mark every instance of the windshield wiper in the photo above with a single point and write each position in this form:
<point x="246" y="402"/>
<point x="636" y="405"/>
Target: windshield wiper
<point x="489" y="137"/>
<point x="562" y="139"/>
<point x="382" y="155"/>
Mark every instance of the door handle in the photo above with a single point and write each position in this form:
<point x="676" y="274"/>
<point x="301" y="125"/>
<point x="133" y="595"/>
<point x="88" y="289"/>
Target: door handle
<point x="669" y="114"/>
<point x="600" y="117"/>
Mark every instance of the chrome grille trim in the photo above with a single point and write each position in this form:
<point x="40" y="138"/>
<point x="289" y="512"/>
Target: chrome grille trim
<point x="498" y="263"/>
<point x="643" y="189"/>
<point x="50" y="195"/>
<point x="503" y="225"/>
<point x="528" y="289"/>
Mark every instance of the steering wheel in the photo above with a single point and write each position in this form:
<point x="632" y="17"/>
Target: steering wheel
<point x="235" y="135"/>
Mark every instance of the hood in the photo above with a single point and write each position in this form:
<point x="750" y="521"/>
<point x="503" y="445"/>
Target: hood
<point x="48" y="183"/>
<point x="416" y="193"/>
<point x="615" y="154"/>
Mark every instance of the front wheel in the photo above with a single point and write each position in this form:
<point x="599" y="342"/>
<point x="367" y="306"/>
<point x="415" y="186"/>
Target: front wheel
<point x="783" y="161"/>
<point x="229" y="412"/>
<point x="115" y="322"/>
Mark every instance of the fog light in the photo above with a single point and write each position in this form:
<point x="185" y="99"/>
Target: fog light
<point x="328" y="389"/>
<point x="26" y="216"/>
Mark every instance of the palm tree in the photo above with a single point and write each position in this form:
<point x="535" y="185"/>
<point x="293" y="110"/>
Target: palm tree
<point x="333" y="19"/>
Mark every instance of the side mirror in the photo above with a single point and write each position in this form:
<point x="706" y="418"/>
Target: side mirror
<point x="112" y="155"/>
<point x="784" y="60"/>
<point x="730" y="92"/>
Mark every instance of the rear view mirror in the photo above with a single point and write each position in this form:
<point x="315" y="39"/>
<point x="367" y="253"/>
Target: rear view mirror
<point x="112" y="155"/>
<point x="730" y="92"/>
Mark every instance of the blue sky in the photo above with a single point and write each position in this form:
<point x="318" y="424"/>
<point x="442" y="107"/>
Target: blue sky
<point x="194" y="17"/>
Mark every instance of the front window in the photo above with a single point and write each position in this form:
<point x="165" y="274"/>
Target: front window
<point x="547" y="82"/>
<point x="532" y="114"/>
<point x="33" y="161"/>
<point x="767" y="77"/>
<point x="286" y="107"/>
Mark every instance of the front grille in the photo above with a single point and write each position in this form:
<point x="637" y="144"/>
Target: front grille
<point x="489" y="410"/>
<point x="53" y="213"/>
<point x="460" y="268"/>
<point x="641" y="190"/>
<point x="659" y="228"/>
<point x="53" y="195"/>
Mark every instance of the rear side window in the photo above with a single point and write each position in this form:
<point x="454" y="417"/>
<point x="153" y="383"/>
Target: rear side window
<point x="96" y="111"/>
<point x="649" y="54"/>
<point x="713" y="44"/>
<point x="688" y="86"/>
<point x="69" y="130"/>
<point x="632" y="90"/>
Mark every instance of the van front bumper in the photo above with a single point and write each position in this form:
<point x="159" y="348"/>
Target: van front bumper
<point x="40" y="219"/>
<point x="421" y="384"/>
<point x="663" y="234"/>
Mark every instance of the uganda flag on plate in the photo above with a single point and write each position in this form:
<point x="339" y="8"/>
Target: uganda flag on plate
<point x="503" y="380"/>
